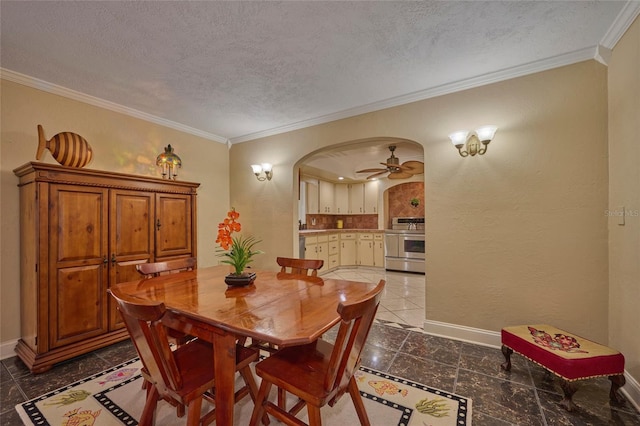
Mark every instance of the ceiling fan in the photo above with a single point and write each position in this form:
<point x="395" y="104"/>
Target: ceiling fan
<point x="395" y="169"/>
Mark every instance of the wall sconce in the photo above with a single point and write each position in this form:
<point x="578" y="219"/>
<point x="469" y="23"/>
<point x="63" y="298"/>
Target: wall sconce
<point x="168" y="162"/>
<point x="473" y="143"/>
<point x="264" y="167"/>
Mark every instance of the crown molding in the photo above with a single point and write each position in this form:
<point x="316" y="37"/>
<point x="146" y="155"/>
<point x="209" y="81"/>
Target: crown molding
<point x="45" y="86"/>
<point x="600" y="53"/>
<point x="445" y="89"/>
<point x="621" y="24"/>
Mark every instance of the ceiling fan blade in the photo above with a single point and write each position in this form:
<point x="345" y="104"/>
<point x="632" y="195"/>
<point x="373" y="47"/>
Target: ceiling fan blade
<point x="371" y="170"/>
<point x="376" y="174"/>
<point x="399" y="175"/>
<point x="413" y="167"/>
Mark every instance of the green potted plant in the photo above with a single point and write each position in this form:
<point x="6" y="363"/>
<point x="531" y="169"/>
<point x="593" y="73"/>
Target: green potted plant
<point x="415" y="202"/>
<point x="239" y="251"/>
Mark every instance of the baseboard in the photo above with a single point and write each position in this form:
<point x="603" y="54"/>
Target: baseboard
<point x="492" y="338"/>
<point x="7" y="349"/>
<point x="463" y="333"/>
<point x="632" y="390"/>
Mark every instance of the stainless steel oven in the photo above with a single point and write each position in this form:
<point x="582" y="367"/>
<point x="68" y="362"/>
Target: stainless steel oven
<point x="405" y="245"/>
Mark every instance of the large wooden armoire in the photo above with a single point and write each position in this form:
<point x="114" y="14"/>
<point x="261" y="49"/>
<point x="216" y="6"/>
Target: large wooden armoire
<point x="81" y="232"/>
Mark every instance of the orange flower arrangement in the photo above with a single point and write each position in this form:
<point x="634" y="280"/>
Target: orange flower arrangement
<point x="242" y="251"/>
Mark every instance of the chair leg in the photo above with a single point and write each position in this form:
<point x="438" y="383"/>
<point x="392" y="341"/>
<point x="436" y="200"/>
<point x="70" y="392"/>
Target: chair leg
<point x="250" y="381"/>
<point x="357" y="402"/>
<point x="149" y="411"/>
<point x="258" y="409"/>
<point x="193" y="415"/>
<point x="314" y="415"/>
<point x="282" y="399"/>
<point x="180" y="410"/>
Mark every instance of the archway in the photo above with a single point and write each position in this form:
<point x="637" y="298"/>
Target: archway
<point x="339" y="162"/>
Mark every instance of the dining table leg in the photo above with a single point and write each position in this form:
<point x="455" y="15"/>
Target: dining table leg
<point x="224" y="367"/>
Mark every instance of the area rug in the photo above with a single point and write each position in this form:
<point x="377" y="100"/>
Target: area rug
<point x="115" y="397"/>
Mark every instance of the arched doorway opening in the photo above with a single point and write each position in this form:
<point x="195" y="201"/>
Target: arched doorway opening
<point x="338" y="164"/>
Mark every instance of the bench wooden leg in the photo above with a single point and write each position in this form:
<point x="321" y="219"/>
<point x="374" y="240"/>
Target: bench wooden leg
<point x="616" y="383"/>
<point x="569" y="389"/>
<point x="506" y="366"/>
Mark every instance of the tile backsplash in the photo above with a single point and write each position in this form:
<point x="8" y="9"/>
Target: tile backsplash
<point x="400" y="200"/>
<point x="352" y="221"/>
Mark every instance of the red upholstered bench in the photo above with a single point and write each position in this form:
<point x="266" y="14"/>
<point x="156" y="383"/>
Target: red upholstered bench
<point x="566" y="355"/>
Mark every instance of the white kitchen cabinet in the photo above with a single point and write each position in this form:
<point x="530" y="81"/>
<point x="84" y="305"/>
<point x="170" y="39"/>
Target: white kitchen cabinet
<point x="310" y="247"/>
<point x="371" y="197"/>
<point x="327" y="197"/>
<point x="365" y="249"/>
<point x="356" y="198"/>
<point x="317" y="247"/>
<point x="312" y="196"/>
<point x="342" y="198"/>
<point x="322" y="250"/>
<point x="334" y="251"/>
<point x="348" y="249"/>
<point x="378" y="250"/>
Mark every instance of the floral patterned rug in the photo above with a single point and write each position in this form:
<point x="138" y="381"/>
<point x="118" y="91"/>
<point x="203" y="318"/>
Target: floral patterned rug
<point x="116" y="397"/>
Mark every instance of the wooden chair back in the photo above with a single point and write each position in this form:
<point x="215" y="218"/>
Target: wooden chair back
<point x="182" y="377"/>
<point x="143" y="320"/>
<point x="170" y="266"/>
<point x="319" y="373"/>
<point x="300" y="266"/>
<point x="357" y="318"/>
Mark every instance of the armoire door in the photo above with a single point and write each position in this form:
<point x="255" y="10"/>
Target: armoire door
<point x="78" y="265"/>
<point x="173" y="225"/>
<point x="130" y="240"/>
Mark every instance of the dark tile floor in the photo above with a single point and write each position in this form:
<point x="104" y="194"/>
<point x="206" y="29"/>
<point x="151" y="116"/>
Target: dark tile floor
<point x="526" y="396"/>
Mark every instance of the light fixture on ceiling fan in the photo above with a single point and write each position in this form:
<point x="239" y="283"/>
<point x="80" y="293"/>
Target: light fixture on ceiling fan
<point x="394" y="169"/>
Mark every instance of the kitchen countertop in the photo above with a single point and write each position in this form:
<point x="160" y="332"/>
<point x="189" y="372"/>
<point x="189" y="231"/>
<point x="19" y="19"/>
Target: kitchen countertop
<point x="327" y="231"/>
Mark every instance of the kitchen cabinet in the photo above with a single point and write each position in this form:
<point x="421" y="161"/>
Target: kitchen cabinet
<point x="310" y="246"/>
<point x="370" y="197"/>
<point x="322" y="250"/>
<point x="365" y="249"/>
<point x="356" y="198"/>
<point x="378" y="250"/>
<point x="312" y="196"/>
<point x="327" y="197"/>
<point x="342" y="198"/>
<point x="83" y="231"/>
<point x="324" y="197"/>
<point x="348" y="249"/>
<point x="333" y="251"/>
<point x="317" y="247"/>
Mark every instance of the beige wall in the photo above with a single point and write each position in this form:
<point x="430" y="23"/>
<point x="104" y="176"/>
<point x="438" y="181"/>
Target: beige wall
<point x="120" y="143"/>
<point x="624" y="190"/>
<point x="516" y="236"/>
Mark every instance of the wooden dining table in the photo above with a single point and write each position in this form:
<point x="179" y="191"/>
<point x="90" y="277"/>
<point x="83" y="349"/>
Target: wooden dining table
<point x="278" y="308"/>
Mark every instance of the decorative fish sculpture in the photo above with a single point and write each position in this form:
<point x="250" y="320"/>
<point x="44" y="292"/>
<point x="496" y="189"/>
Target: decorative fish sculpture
<point x="68" y="149"/>
<point x="384" y="386"/>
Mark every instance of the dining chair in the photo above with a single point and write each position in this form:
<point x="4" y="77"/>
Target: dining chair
<point x="155" y="269"/>
<point x="300" y="266"/>
<point x="319" y="373"/>
<point x="184" y="376"/>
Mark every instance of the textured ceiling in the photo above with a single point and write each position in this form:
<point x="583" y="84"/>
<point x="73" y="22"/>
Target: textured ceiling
<point x="235" y="70"/>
